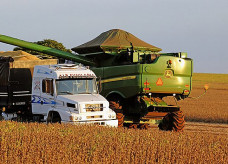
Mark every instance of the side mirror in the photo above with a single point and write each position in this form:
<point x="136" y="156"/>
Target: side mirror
<point x="99" y="85"/>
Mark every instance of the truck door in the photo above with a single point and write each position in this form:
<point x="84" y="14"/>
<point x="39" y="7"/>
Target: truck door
<point x="47" y="96"/>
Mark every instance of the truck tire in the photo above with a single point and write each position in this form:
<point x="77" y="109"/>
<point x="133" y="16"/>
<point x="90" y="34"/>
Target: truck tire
<point x="36" y="118"/>
<point x="115" y="106"/>
<point x="54" y="117"/>
<point x="173" y="122"/>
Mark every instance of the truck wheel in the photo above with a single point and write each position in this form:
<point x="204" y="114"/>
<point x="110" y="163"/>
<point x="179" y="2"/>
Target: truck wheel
<point x="54" y="117"/>
<point x="115" y="106"/>
<point x="173" y="122"/>
<point x="36" y="118"/>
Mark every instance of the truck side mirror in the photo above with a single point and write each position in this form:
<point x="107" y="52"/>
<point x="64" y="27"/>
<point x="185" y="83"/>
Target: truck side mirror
<point x="99" y="85"/>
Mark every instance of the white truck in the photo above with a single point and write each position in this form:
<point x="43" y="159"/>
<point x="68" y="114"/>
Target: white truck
<point x="54" y="93"/>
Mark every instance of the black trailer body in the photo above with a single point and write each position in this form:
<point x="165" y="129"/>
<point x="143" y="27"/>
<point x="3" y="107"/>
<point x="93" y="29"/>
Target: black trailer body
<point x="16" y="71"/>
<point x="15" y="86"/>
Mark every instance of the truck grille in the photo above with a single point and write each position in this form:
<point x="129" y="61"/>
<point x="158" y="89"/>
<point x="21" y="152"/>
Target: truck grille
<point x="89" y="117"/>
<point x="94" y="107"/>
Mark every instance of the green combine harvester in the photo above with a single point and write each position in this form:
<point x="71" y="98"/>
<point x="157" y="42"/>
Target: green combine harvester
<point x="133" y="75"/>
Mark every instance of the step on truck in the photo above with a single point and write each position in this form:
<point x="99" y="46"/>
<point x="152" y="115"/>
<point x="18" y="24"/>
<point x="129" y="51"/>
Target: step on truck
<point x="63" y="93"/>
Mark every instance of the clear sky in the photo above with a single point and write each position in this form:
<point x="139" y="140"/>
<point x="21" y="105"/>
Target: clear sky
<point x="199" y="27"/>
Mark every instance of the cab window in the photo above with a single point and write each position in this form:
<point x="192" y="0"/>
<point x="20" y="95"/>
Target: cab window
<point x="47" y="86"/>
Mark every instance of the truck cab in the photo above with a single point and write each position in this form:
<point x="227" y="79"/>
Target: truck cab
<point x="69" y="93"/>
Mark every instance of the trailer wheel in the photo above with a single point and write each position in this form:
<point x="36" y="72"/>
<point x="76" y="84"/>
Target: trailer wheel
<point x="115" y="106"/>
<point x="173" y="122"/>
<point x="54" y="117"/>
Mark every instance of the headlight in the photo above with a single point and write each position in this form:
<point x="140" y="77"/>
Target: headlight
<point x="72" y="118"/>
<point x="113" y="116"/>
<point x="109" y="116"/>
<point x="75" y="118"/>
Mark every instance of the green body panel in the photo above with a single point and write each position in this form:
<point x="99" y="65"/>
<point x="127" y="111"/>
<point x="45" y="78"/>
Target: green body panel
<point x="125" y="80"/>
<point x="176" y="83"/>
<point x="46" y="50"/>
<point x="128" y="80"/>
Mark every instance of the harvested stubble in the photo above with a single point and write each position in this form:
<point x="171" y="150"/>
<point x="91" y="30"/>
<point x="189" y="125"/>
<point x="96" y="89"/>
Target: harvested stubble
<point x="64" y="143"/>
<point x="213" y="106"/>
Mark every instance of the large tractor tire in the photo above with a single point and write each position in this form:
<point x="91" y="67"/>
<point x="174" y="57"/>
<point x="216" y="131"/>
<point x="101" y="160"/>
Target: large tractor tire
<point x="173" y="122"/>
<point x="115" y="106"/>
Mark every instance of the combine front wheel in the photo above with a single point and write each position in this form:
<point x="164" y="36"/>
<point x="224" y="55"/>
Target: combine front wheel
<point x="173" y="121"/>
<point x="119" y="112"/>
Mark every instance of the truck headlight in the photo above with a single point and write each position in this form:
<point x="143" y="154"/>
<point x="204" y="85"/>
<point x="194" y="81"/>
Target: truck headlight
<point x="75" y="118"/>
<point x="72" y="118"/>
<point x="113" y="116"/>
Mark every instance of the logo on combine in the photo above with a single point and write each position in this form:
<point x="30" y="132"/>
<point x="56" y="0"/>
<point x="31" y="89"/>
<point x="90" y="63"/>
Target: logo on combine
<point x="168" y="73"/>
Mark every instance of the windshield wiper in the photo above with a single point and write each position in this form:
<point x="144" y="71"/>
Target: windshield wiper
<point x="67" y="92"/>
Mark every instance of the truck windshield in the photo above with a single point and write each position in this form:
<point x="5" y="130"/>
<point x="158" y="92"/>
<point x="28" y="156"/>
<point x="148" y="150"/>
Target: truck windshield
<point x="76" y="86"/>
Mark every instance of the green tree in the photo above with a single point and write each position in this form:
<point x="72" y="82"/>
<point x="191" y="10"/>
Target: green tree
<point x="47" y="43"/>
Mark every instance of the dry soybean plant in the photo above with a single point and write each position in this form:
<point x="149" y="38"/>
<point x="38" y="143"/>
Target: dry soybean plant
<point x="64" y="143"/>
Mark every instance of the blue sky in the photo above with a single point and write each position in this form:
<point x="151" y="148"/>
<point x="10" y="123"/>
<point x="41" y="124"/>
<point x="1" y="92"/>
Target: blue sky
<point x="199" y="27"/>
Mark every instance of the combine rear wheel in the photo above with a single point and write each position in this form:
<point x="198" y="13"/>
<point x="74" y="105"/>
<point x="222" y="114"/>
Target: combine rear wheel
<point x="119" y="112"/>
<point x="144" y="126"/>
<point x="173" y="121"/>
<point x="133" y="126"/>
<point x="178" y="121"/>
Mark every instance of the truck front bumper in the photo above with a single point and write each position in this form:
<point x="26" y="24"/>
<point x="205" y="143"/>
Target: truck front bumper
<point x="112" y="123"/>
